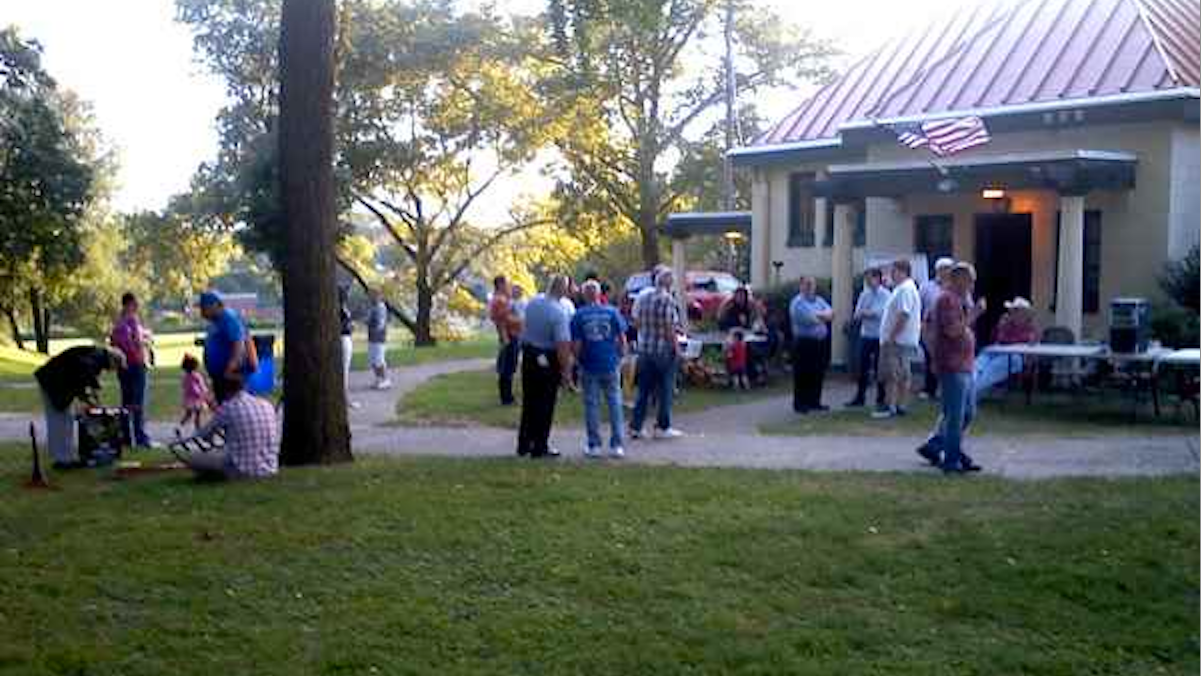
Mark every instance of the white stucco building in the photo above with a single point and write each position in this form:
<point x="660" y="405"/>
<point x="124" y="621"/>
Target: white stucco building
<point x="1092" y="172"/>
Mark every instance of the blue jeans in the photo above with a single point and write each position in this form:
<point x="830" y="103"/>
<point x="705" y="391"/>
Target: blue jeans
<point x="133" y="397"/>
<point x="657" y="377"/>
<point x="958" y="405"/>
<point x="607" y="385"/>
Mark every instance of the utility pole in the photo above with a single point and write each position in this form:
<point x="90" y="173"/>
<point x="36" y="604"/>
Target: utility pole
<point x="727" y="174"/>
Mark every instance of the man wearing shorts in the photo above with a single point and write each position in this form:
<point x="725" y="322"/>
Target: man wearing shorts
<point x="900" y="334"/>
<point x="377" y="340"/>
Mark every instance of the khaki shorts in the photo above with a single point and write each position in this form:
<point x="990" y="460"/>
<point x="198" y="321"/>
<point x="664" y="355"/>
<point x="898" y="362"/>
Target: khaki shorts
<point x="896" y="363"/>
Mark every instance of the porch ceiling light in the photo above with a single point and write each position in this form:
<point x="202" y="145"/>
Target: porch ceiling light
<point x="734" y="236"/>
<point x="993" y="193"/>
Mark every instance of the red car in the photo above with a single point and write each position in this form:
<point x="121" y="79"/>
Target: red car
<point x="707" y="290"/>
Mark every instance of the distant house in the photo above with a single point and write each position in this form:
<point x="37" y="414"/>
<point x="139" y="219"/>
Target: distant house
<point x="1088" y="184"/>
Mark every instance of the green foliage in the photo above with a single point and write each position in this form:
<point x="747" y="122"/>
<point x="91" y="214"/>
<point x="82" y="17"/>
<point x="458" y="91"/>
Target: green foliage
<point x="175" y="251"/>
<point x="632" y="77"/>
<point x="53" y="178"/>
<point x="1181" y="280"/>
<point x="437" y="566"/>
<point x="1176" y="327"/>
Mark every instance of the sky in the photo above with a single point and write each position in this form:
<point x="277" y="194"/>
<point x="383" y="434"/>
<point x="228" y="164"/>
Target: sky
<point x="156" y="105"/>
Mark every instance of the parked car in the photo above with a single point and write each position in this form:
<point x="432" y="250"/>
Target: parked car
<point x="707" y="290"/>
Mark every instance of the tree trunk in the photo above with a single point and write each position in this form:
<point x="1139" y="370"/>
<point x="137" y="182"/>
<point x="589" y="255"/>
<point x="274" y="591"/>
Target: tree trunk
<point x="648" y="212"/>
<point x="41" y="321"/>
<point x="423" y="334"/>
<point x="15" y="327"/>
<point x="315" y="423"/>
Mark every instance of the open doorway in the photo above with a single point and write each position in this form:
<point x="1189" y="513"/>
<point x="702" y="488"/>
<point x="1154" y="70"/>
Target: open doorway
<point x="1003" y="265"/>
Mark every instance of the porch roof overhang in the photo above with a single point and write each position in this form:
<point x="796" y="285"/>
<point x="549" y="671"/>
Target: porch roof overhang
<point x="687" y="224"/>
<point x="1069" y="171"/>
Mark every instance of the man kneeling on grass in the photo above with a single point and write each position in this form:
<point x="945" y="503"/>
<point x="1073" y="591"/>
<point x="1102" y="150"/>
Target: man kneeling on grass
<point x="251" y="448"/>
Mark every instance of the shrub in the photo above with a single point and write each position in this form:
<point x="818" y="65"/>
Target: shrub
<point x="1176" y="327"/>
<point x="1180" y="280"/>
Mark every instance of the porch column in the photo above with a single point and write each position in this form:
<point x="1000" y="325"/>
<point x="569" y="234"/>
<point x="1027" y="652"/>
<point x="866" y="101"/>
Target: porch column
<point x="1069" y="287"/>
<point x="761" y="244"/>
<point x="841" y="278"/>
<point x="679" y="265"/>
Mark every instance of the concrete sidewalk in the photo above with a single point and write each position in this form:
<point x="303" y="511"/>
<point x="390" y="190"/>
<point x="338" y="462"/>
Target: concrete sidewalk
<point x="728" y="437"/>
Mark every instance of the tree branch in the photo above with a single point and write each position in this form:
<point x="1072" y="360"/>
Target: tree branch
<point x="444" y="280"/>
<point x="395" y="311"/>
<point x="383" y="219"/>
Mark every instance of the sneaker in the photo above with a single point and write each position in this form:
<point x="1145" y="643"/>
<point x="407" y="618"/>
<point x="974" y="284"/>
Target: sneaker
<point x="385" y="384"/>
<point x="617" y="453"/>
<point x="900" y="412"/>
<point x="931" y="456"/>
<point x="592" y="452"/>
<point x="634" y="434"/>
<point x="669" y="433"/>
<point x="854" y="403"/>
<point x="356" y="405"/>
<point x="883" y="414"/>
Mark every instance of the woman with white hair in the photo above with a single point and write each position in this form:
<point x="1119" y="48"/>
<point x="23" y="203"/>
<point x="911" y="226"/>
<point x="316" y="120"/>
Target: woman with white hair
<point x="1016" y="327"/>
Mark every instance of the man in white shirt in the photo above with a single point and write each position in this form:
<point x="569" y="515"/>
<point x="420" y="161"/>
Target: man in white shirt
<point x="869" y="309"/>
<point x="900" y="334"/>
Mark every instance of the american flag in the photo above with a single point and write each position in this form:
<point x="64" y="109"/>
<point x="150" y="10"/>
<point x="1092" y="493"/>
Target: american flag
<point x="943" y="137"/>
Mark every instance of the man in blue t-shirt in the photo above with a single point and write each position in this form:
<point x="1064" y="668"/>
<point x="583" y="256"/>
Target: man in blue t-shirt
<point x="598" y="332"/>
<point x="224" y="344"/>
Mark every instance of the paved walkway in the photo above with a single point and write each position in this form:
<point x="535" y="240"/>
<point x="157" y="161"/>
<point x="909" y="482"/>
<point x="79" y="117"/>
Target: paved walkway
<point x="728" y="437"/>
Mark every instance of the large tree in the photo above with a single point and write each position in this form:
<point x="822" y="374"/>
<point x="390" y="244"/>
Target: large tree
<point x="434" y="107"/>
<point x="315" y="424"/>
<point x="634" y="76"/>
<point x="49" y="159"/>
<point x="177" y="249"/>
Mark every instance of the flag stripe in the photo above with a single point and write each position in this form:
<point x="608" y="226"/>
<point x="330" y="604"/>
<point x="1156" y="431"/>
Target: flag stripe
<point x="943" y="137"/>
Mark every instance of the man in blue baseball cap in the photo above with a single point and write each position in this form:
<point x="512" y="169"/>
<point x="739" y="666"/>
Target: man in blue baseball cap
<point x="224" y="344"/>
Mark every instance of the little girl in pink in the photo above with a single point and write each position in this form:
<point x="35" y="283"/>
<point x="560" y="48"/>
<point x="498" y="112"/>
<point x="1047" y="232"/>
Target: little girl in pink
<point x="196" y="397"/>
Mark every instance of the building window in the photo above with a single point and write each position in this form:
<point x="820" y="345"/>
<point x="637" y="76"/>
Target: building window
<point x="1092" y="261"/>
<point x="934" y="235"/>
<point x="800" y="210"/>
<point x="859" y="235"/>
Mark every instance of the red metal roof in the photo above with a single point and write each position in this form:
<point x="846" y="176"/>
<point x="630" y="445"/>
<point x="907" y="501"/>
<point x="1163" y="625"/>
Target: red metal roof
<point x="994" y="55"/>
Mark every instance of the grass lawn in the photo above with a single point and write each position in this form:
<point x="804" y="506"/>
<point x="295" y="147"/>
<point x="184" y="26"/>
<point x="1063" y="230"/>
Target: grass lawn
<point x="510" y="567"/>
<point x="19" y="394"/>
<point x="405" y="354"/>
<point x="1049" y="415"/>
<point x="471" y="397"/>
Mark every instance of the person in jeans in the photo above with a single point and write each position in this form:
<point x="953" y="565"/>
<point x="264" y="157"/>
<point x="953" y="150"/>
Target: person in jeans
<point x="929" y="294"/>
<point x="599" y="335"/>
<point x="900" y="334"/>
<point x="545" y="365"/>
<point x="225" y="354"/>
<point x="128" y="336"/>
<point x="868" y="310"/>
<point x="500" y="310"/>
<point x="954" y="349"/>
<point x="657" y="318"/>
<point x="71" y="374"/>
<point x="810" y="315"/>
<point x="377" y="340"/>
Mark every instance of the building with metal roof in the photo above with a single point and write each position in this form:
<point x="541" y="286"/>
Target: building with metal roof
<point x="1081" y="181"/>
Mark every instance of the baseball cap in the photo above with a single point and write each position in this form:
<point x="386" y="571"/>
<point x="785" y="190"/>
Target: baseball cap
<point x="1017" y="303"/>
<point x="944" y="262"/>
<point x="209" y="299"/>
